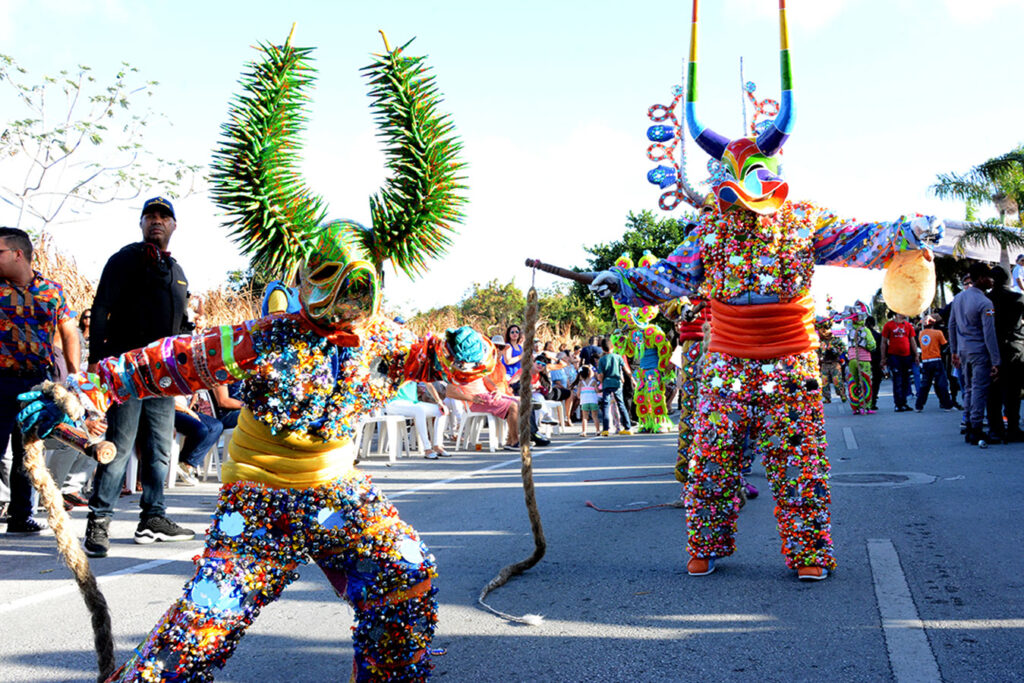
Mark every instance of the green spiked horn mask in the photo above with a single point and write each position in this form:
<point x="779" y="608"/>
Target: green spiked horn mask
<point x="338" y="283"/>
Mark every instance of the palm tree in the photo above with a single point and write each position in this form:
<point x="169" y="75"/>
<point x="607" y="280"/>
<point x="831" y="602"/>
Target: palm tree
<point x="999" y="181"/>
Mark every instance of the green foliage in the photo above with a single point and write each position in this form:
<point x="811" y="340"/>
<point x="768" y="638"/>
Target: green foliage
<point x="493" y="301"/>
<point x="644" y="231"/>
<point x="79" y="143"/>
<point x="414" y="212"/>
<point x="255" y="170"/>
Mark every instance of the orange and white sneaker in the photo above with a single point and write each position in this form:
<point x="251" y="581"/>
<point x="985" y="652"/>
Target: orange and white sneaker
<point x="812" y="573"/>
<point x="700" y="566"/>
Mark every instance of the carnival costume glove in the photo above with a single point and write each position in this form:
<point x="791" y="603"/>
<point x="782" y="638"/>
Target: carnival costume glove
<point x="605" y="284"/>
<point x="928" y="228"/>
<point x="40" y="414"/>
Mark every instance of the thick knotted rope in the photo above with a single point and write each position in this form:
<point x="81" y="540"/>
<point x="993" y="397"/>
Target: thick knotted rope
<point x="72" y="554"/>
<point x="525" y="434"/>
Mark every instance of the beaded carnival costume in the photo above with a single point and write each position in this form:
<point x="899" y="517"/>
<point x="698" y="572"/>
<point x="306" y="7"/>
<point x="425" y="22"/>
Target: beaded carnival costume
<point x="291" y="494"/>
<point x="752" y="256"/>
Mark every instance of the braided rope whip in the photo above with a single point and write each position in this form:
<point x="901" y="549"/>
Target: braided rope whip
<point x="72" y="554"/>
<point x="529" y="493"/>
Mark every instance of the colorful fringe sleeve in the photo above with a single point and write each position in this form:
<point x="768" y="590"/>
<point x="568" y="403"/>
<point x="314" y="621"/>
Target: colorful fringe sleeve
<point x="176" y="366"/>
<point x="680" y="274"/>
<point x="839" y="242"/>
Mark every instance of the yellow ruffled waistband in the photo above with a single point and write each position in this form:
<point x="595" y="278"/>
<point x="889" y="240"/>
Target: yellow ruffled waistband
<point x="283" y="460"/>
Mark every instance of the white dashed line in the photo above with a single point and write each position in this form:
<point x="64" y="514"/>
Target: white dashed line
<point x="910" y="655"/>
<point x="851" y="441"/>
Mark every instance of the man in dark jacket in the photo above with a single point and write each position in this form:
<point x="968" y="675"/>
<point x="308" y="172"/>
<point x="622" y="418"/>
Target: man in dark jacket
<point x="142" y="296"/>
<point x="1004" y="396"/>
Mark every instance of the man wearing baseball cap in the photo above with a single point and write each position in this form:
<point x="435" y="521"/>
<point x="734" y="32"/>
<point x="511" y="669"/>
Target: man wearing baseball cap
<point x="142" y="296"/>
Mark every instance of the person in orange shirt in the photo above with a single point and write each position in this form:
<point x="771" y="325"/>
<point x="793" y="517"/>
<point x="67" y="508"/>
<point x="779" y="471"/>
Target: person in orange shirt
<point x="931" y="341"/>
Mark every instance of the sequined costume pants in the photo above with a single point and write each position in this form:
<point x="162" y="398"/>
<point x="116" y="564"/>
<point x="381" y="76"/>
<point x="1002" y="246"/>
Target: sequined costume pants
<point x="832" y="375"/>
<point x="775" y="406"/>
<point x="258" y="538"/>
<point x="860" y="384"/>
<point x="687" y="402"/>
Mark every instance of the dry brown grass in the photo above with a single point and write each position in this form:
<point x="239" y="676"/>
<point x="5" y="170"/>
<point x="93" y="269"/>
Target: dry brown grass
<point x="225" y="307"/>
<point x="59" y="267"/>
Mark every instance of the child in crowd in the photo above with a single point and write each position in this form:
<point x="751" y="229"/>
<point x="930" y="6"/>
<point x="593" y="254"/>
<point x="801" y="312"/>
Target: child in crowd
<point x="586" y="392"/>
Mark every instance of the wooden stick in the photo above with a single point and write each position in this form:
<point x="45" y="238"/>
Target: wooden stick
<point x="584" y="278"/>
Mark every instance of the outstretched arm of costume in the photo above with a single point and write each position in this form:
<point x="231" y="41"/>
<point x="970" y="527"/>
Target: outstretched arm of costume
<point x="181" y="365"/>
<point x="839" y="242"/>
<point x="679" y="274"/>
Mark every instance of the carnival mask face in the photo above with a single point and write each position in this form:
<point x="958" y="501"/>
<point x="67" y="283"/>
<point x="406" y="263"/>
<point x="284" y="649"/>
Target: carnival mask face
<point x="752" y="179"/>
<point x="337" y="283"/>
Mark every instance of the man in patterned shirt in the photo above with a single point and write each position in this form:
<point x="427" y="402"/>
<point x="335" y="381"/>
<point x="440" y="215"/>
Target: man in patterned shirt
<point x="32" y="312"/>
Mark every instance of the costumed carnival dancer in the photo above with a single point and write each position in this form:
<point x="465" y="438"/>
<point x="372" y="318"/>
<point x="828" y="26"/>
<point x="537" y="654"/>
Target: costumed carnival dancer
<point x="831" y="352"/>
<point x="650" y="353"/>
<point x="861" y="344"/>
<point x="291" y="493"/>
<point x="752" y="257"/>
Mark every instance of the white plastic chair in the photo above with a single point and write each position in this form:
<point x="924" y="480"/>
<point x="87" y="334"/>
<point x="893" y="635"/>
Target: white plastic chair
<point x="557" y="409"/>
<point x="216" y="455"/>
<point x="392" y="433"/>
<point x="472" y="423"/>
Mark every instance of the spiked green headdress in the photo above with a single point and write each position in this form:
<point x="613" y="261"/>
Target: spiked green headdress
<point x="277" y="220"/>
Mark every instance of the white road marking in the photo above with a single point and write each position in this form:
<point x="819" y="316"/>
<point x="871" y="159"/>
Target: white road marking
<point x="910" y="655"/>
<point x="72" y="587"/>
<point x="851" y="442"/>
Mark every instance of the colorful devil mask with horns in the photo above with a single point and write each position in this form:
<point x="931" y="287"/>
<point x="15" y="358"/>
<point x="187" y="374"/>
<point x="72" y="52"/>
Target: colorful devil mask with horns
<point x="751" y="171"/>
<point x="338" y="284"/>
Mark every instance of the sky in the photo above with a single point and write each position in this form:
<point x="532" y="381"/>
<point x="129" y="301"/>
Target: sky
<point x="550" y="100"/>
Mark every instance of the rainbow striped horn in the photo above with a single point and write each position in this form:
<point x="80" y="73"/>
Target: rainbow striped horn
<point x="771" y="140"/>
<point x="708" y="140"/>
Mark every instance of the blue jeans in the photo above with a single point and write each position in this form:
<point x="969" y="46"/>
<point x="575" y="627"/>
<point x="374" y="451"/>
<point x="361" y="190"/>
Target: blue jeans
<point x="20" y="507"/>
<point x="619" y="402"/>
<point x="979" y="377"/>
<point x="200" y="436"/>
<point x="934" y="370"/>
<point x="152" y="421"/>
<point x="899" y="367"/>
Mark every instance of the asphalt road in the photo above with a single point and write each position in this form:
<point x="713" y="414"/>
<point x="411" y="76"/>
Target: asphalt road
<point x="928" y="535"/>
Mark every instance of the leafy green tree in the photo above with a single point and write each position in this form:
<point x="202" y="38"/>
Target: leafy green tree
<point x="78" y="143"/>
<point x="494" y="302"/>
<point x="999" y="181"/>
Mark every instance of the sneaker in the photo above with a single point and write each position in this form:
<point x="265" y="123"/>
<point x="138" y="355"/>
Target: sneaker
<point x="948" y="410"/>
<point x="625" y="432"/>
<point x="97" y="538"/>
<point x="919" y="410"/>
<point x="511" y="447"/>
<point x="870" y="412"/>
<point x="539" y="440"/>
<point x="752" y="491"/>
<point x="605" y="433"/>
<point x="27" y="527"/>
<point x="812" y="573"/>
<point x="700" y="566"/>
<point x="161" y="529"/>
<point x="184" y="478"/>
<point x="429" y="455"/>
<point x="76" y="499"/>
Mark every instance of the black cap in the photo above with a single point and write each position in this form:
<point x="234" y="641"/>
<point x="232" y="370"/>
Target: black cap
<point x="162" y="202"/>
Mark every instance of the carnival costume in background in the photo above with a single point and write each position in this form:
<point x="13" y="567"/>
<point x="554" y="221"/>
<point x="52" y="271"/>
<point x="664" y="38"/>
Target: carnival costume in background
<point x="650" y="356"/>
<point x="753" y="256"/>
<point x="291" y="494"/>
<point x="830" y="358"/>
<point x="862" y="343"/>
